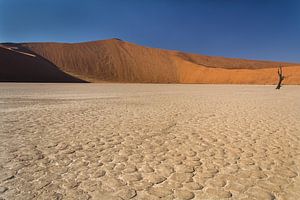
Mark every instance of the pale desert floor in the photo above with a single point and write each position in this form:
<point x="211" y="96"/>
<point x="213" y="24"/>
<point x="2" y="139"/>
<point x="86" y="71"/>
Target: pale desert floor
<point x="145" y="141"/>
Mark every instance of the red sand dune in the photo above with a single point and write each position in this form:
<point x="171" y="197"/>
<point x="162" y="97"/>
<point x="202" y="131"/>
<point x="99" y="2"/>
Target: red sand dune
<point x="21" y="65"/>
<point x="118" y="61"/>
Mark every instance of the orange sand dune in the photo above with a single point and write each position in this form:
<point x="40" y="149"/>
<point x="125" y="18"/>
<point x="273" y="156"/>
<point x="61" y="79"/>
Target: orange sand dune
<point x="117" y="61"/>
<point x="21" y="65"/>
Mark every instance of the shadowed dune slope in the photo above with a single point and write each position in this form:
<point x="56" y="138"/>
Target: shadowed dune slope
<point x="20" y="65"/>
<point x="117" y="61"/>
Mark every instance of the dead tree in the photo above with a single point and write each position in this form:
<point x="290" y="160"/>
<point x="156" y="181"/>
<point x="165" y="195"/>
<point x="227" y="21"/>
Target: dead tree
<point x="281" y="77"/>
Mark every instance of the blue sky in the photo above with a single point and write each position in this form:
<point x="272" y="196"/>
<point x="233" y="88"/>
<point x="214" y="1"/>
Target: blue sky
<point x="262" y="29"/>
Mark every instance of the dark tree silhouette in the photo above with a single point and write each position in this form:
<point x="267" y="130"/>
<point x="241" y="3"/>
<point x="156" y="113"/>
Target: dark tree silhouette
<point x="281" y="77"/>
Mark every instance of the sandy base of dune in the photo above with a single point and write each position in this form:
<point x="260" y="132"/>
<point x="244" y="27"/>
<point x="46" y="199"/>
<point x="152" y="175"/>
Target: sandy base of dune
<point x="144" y="141"/>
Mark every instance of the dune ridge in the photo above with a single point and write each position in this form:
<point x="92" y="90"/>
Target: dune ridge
<point x="115" y="60"/>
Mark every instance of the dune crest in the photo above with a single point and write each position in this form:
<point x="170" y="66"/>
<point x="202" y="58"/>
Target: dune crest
<point x="117" y="61"/>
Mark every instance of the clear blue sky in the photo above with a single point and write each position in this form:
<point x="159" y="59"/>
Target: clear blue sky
<point x="254" y="29"/>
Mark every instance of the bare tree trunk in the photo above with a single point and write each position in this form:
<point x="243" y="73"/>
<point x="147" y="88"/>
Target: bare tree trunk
<point x="281" y="77"/>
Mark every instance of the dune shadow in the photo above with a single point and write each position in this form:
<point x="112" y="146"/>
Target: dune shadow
<point x="19" y="64"/>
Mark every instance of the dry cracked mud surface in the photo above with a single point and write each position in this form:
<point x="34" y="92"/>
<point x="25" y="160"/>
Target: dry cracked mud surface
<point x="147" y="141"/>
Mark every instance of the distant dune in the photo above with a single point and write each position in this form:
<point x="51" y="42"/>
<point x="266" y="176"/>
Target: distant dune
<point x="117" y="61"/>
<point x="21" y="65"/>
